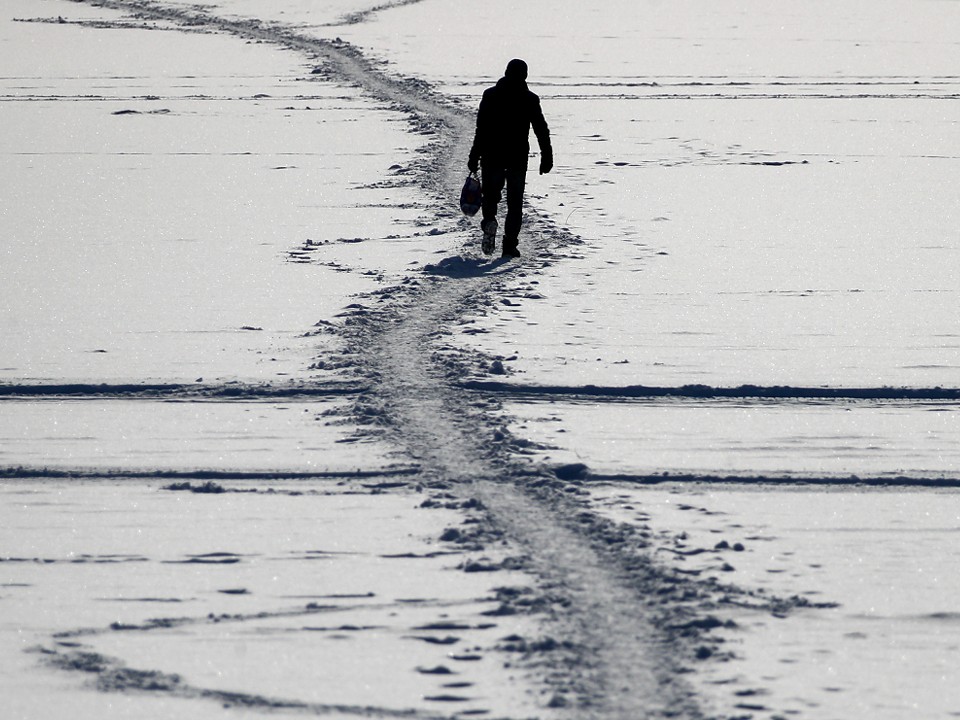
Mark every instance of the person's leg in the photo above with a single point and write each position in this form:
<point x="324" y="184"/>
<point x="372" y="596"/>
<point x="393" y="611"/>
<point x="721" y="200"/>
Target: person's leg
<point x="492" y="180"/>
<point x="492" y="186"/>
<point x="515" y="180"/>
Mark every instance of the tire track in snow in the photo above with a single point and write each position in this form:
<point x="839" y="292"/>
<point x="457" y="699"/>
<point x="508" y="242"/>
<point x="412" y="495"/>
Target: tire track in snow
<point x="626" y="630"/>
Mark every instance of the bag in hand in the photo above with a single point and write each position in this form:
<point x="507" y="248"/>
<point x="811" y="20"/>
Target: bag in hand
<point x="470" y="197"/>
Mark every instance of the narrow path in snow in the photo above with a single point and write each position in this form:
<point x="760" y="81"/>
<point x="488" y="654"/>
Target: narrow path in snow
<point x="620" y="665"/>
<point x="622" y="631"/>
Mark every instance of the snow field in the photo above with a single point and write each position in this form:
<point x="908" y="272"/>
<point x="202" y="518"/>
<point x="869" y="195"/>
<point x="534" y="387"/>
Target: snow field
<point x="764" y="194"/>
<point x="761" y="201"/>
<point x="301" y="593"/>
<point x="175" y="220"/>
<point x="885" y="557"/>
<point x="168" y="239"/>
<point x="909" y="442"/>
<point x="118" y="435"/>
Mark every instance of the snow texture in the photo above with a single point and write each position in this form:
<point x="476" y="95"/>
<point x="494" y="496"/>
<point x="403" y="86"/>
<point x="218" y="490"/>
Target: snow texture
<point x="275" y="438"/>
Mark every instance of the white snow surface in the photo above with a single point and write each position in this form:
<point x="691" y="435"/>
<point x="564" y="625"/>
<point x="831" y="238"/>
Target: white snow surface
<point x="885" y="557"/>
<point x="919" y="441"/>
<point x="160" y="243"/>
<point x="273" y="595"/>
<point x="761" y="193"/>
<point x="765" y="192"/>
<point x="146" y="436"/>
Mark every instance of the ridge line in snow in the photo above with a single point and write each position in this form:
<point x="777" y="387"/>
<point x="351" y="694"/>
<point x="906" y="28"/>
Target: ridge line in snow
<point x="614" y="393"/>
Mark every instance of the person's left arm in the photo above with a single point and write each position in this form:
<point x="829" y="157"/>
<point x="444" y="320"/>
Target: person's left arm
<point x="540" y="129"/>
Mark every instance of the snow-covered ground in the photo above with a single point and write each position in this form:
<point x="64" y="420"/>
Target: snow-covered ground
<point x="161" y="191"/>
<point x="339" y="601"/>
<point x="232" y="252"/>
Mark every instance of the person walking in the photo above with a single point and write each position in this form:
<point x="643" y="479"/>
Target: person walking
<point x="501" y="148"/>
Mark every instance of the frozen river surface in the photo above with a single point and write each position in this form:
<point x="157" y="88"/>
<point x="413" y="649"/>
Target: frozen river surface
<point x="232" y="251"/>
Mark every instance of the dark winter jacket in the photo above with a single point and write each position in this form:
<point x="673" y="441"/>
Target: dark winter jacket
<point x="507" y="112"/>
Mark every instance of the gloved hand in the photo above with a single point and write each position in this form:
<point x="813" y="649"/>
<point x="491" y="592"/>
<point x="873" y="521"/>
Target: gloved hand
<point x="546" y="162"/>
<point x="473" y="164"/>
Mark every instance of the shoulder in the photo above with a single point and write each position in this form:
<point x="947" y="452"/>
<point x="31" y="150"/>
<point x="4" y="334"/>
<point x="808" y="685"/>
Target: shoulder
<point x="533" y="103"/>
<point x="489" y="96"/>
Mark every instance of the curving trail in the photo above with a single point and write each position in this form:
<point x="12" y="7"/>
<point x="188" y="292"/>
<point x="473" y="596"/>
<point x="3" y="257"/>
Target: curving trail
<point x="624" y="630"/>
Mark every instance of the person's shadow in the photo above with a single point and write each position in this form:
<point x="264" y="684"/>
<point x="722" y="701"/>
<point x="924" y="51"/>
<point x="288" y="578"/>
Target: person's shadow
<point x="458" y="266"/>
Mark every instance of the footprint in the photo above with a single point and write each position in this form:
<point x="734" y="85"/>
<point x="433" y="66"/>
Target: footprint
<point x="448" y="640"/>
<point x="438" y="670"/>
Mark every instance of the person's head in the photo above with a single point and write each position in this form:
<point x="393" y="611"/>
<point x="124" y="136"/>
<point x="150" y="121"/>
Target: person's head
<point x="516" y="70"/>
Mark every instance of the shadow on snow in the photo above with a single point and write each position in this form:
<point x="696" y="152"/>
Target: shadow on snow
<point x="458" y="266"/>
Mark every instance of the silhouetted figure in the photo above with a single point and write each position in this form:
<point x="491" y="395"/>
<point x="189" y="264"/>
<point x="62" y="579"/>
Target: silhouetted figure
<point x="502" y="147"/>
